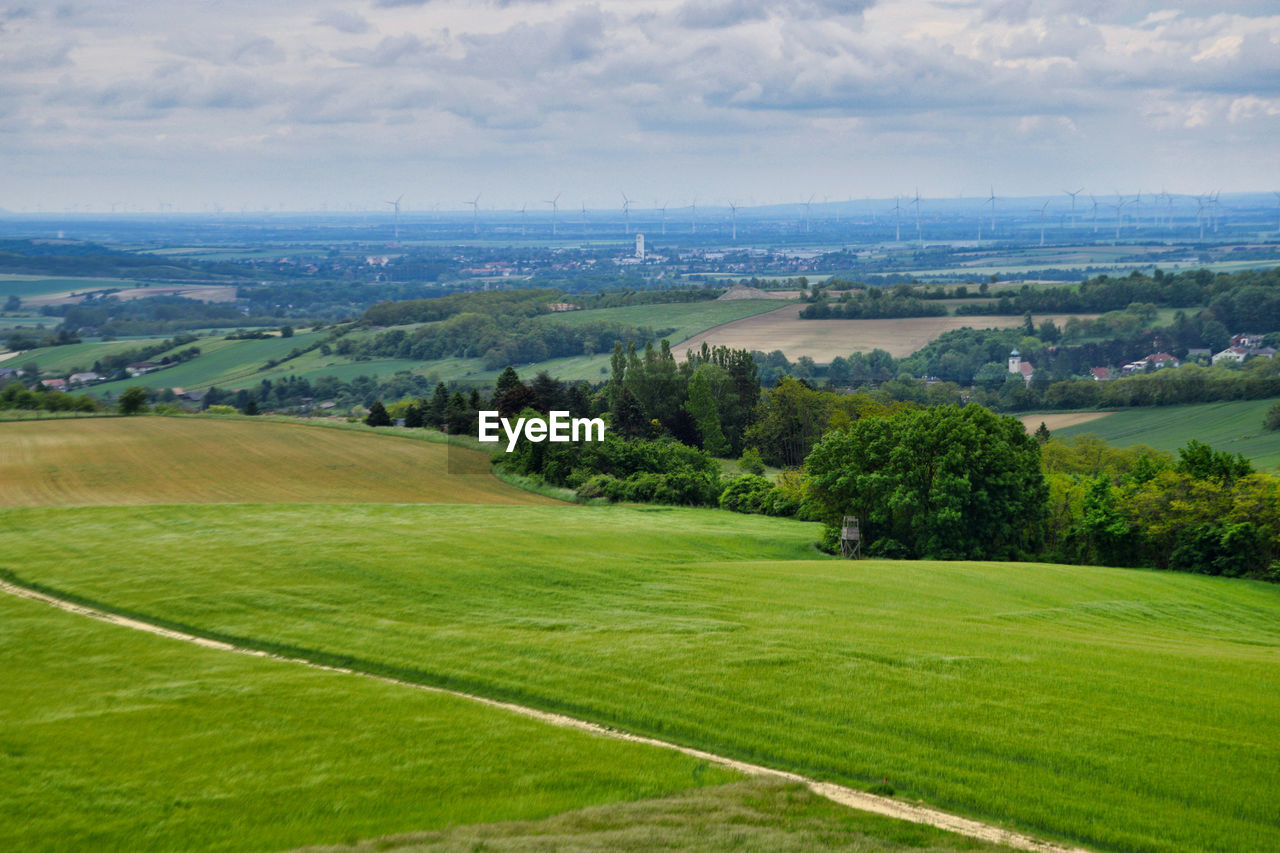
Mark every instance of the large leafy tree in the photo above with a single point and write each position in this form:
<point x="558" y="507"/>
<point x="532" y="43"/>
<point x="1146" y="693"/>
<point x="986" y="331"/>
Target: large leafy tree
<point x="790" y="421"/>
<point x="943" y="483"/>
<point x="132" y="401"/>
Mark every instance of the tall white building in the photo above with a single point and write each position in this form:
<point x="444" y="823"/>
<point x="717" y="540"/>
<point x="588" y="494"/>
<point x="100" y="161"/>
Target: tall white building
<point x="639" y="246"/>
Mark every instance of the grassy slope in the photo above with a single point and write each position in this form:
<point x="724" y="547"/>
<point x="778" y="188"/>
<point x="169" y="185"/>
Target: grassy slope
<point x="759" y="815"/>
<point x="1235" y="427"/>
<point x="687" y="318"/>
<point x="123" y="461"/>
<point x="228" y="364"/>
<point x="116" y="739"/>
<point x="113" y="739"/>
<point x="237" y="364"/>
<point x="59" y="361"/>
<point x="1127" y="710"/>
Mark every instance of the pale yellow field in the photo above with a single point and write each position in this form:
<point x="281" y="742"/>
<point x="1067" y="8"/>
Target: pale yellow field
<point x="1060" y="421"/>
<point x="199" y="292"/>
<point x="158" y="460"/>
<point x="823" y="340"/>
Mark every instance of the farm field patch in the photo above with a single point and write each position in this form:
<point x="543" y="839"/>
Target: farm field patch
<point x="115" y="739"/>
<point x="126" y="290"/>
<point x="823" y="340"/>
<point x="29" y="287"/>
<point x="227" y="364"/>
<point x="687" y="318"/>
<point x="1055" y="421"/>
<point x="1119" y="709"/>
<point x="155" y="460"/>
<point x="1234" y="426"/>
<point x="58" y="361"/>
<point x="1096" y="259"/>
<point x="198" y="292"/>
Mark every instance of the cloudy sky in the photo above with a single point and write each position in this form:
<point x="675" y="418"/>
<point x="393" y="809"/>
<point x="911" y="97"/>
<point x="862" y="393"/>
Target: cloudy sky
<point x="308" y="103"/>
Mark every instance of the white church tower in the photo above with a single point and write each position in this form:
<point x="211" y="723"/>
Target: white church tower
<point x="1015" y="361"/>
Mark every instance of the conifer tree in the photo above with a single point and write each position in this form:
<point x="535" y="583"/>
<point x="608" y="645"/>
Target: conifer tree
<point x="378" y="416"/>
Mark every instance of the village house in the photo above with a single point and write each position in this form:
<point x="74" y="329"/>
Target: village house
<point x="1247" y="340"/>
<point x="83" y="378"/>
<point x="1240" y="354"/>
<point x="140" y="368"/>
<point x="1155" y="361"/>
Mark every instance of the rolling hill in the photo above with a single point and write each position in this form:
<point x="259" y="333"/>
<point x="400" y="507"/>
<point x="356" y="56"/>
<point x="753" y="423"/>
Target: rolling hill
<point x="1118" y="709"/>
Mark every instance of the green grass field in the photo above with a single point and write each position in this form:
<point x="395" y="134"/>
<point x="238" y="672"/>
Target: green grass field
<point x="761" y="816"/>
<point x="1121" y="709"/>
<point x="115" y="739"/>
<point x="1235" y="427"/>
<point x="227" y="364"/>
<point x="111" y="739"/>
<point x="59" y="361"/>
<point x="687" y="318"/>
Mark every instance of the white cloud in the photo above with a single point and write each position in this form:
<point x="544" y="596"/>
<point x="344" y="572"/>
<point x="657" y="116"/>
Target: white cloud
<point x="701" y="90"/>
<point x="344" y="21"/>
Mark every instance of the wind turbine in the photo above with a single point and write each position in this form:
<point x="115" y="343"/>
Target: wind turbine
<point x="664" y="218"/>
<point x="693" y="216"/>
<point x="1277" y="195"/>
<point x="806" y="212"/>
<point x="626" y="213"/>
<point x="1200" y="214"/>
<point x="916" y="202"/>
<point x="522" y="219"/>
<point x="992" y="201"/>
<point x="897" y="214"/>
<point x="1073" y="202"/>
<point x="396" y="204"/>
<point x="733" y="215"/>
<point x="1119" y="206"/>
<point x="1095" y="213"/>
<point x="1042" y="209"/>
<point x="555" y="206"/>
<point x="475" y="214"/>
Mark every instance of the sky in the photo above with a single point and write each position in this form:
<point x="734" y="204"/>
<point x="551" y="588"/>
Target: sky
<point x="306" y="104"/>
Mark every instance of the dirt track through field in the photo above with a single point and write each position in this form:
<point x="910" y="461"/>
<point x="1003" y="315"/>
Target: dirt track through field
<point x="836" y="793"/>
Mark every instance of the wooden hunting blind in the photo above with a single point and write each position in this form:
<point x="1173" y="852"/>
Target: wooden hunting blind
<point x="850" y="538"/>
